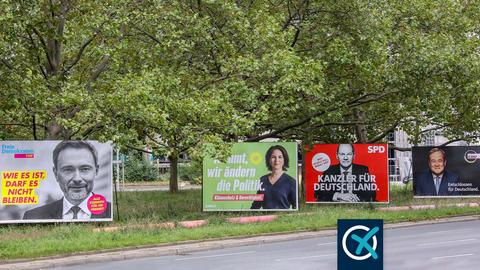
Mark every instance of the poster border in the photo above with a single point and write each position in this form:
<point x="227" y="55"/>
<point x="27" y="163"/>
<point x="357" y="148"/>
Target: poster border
<point x="43" y="221"/>
<point x="443" y="196"/>
<point x="259" y="210"/>
<point x="349" y="203"/>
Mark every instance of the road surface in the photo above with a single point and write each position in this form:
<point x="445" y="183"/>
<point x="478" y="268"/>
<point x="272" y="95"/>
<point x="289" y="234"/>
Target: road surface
<point x="454" y="245"/>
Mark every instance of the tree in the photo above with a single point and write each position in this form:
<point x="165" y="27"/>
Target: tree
<point x="202" y="77"/>
<point x="387" y="65"/>
<point x="176" y="74"/>
<point x="53" y="56"/>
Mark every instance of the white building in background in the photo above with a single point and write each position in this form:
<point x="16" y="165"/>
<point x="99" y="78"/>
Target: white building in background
<point x="400" y="162"/>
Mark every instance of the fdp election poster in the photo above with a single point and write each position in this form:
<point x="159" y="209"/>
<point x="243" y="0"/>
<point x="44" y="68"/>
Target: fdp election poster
<point x="346" y="173"/>
<point x="451" y="171"/>
<point x="256" y="177"/>
<point x="55" y="181"/>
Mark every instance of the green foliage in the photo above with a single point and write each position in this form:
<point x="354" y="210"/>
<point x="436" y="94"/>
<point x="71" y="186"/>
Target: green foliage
<point x="191" y="172"/>
<point x="174" y="75"/>
<point x="137" y="169"/>
<point x="54" y="55"/>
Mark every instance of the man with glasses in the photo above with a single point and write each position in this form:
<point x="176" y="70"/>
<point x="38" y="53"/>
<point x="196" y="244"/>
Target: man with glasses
<point x="349" y="179"/>
<point x="75" y="165"/>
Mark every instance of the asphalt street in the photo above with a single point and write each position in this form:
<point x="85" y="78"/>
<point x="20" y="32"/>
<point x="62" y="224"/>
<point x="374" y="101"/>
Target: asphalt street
<point x="454" y="245"/>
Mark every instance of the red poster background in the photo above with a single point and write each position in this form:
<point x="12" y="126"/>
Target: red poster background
<point x="376" y="161"/>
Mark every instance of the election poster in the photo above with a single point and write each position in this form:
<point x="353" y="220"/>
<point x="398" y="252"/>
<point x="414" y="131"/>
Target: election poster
<point x="347" y="173"/>
<point x="255" y="177"/>
<point x="55" y="181"/>
<point x="450" y="171"/>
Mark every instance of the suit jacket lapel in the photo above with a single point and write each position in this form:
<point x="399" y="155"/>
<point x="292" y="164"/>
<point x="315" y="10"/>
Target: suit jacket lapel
<point x="443" y="185"/>
<point x="431" y="189"/>
<point x="57" y="209"/>
<point x="337" y="170"/>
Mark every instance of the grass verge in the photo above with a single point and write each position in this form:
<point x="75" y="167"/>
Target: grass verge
<point x="37" y="240"/>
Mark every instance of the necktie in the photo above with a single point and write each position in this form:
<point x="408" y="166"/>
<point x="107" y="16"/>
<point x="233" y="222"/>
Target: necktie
<point x="349" y="183"/>
<point x="344" y="181"/>
<point x="75" y="209"/>
<point x="437" y="183"/>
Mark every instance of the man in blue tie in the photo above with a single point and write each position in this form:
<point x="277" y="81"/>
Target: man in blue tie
<point x="437" y="181"/>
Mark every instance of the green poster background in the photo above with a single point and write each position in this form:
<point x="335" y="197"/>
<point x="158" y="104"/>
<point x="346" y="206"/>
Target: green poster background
<point x="241" y="175"/>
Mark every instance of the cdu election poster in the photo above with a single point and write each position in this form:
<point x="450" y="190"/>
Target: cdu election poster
<point x="255" y="177"/>
<point x="55" y="181"/>
<point x="450" y="171"/>
<point x="346" y="173"/>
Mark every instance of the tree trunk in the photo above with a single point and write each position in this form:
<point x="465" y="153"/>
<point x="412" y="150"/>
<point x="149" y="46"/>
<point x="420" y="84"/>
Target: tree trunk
<point x="360" y="129"/>
<point x="54" y="132"/>
<point x="173" y="173"/>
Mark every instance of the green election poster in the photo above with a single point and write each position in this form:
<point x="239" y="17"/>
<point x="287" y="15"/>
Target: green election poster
<point x="255" y="177"/>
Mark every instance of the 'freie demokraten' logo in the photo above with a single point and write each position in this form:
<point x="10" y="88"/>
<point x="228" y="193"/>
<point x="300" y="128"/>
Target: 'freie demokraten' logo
<point x="17" y="152"/>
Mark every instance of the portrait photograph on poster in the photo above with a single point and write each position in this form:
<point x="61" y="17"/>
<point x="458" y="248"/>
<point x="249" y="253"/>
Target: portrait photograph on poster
<point x="255" y="177"/>
<point x="55" y="181"/>
<point x="450" y="171"/>
<point x="346" y="173"/>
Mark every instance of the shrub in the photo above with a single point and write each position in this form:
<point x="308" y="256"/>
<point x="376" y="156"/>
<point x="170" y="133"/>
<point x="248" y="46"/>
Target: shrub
<point x="136" y="169"/>
<point x="190" y="172"/>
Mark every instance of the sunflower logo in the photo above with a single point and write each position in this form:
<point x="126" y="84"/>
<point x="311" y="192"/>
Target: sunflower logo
<point x="255" y="158"/>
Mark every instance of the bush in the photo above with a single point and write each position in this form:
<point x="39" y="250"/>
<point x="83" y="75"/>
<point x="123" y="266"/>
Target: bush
<point x="138" y="170"/>
<point x="190" y="172"/>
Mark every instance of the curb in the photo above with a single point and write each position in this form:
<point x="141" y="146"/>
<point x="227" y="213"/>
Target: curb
<point x="183" y="248"/>
<point x="425" y="206"/>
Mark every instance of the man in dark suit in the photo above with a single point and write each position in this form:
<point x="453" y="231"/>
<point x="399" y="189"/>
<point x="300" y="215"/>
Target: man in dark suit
<point x="352" y="177"/>
<point x="75" y="165"/>
<point x="436" y="180"/>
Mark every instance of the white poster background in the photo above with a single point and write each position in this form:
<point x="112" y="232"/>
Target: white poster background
<point x="49" y="190"/>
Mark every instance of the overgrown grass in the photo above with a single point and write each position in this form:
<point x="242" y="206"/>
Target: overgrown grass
<point x="187" y="205"/>
<point x="28" y="241"/>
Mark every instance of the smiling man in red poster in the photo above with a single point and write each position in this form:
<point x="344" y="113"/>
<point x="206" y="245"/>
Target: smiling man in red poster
<point x="346" y="181"/>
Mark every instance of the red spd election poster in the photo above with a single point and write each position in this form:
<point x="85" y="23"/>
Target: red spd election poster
<point x="347" y="173"/>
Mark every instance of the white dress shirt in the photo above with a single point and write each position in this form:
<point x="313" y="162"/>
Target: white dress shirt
<point x="84" y="213"/>
<point x="437" y="187"/>
<point x="348" y="179"/>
